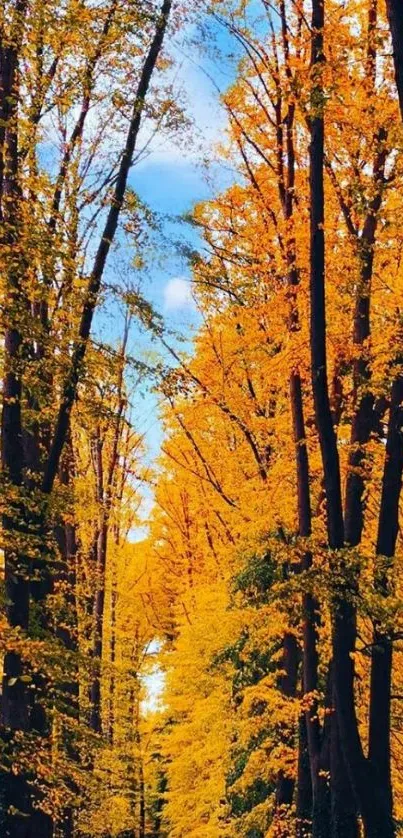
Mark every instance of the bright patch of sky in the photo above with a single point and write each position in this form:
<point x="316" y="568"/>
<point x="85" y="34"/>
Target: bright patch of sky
<point x="178" y="294"/>
<point x="153" y="681"/>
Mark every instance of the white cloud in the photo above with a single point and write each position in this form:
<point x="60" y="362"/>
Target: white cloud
<point x="177" y="294"/>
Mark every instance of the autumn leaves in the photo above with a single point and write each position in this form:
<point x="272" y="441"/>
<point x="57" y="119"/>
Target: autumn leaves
<point x="266" y="598"/>
<point x="296" y="418"/>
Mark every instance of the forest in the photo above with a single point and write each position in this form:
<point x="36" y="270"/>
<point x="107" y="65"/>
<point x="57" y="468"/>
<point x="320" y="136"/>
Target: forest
<point x="201" y="625"/>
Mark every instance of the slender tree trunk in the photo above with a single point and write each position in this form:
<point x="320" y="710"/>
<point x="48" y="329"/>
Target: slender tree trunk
<point x="288" y="686"/>
<point x="142" y="812"/>
<point x="303" y="815"/>
<point x="67" y="634"/>
<point x="320" y="814"/>
<point x="140" y="760"/>
<point x="310" y="607"/>
<point x="111" y="720"/>
<point x="381" y="664"/>
<point x="99" y="604"/>
<point x="344" y="823"/>
<point x="395" y="16"/>
<point x="17" y="817"/>
<point x="381" y="669"/>
<point x="327" y="437"/>
<point x="320" y="769"/>
<point x="363" y="418"/>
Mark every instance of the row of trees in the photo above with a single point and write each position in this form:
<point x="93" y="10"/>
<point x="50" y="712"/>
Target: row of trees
<point x="277" y="522"/>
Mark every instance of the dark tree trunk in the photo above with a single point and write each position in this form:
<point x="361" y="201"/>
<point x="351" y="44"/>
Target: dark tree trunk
<point x="288" y="686"/>
<point x="395" y="16"/>
<point x="111" y="720"/>
<point x="303" y="823"/>
<point x="15" y="695"/>
<point x="286" y="186"/>
<point x="67" y="634"/>
<point x="142" y="812"/>
<point x="381" y="665"/>
<point x="99" y="603"/>
<point x="363" y="419"/>
<point x="324" y="422"/>
<point x="321" y="813"/>
<point x="344" y="822"/>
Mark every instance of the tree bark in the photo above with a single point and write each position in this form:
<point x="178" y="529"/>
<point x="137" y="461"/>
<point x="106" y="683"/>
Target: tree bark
<point x="344" y="823"/>
<point x="288" y="686"/>
<point x="324" y="422"/>
<point x="15" y="695"/>
<point x="67" y="634"/>
<point x="111" y="719"/>
<point x="303" y="814"/>
<point x="395" y="16"/>
<point x="382" y="649"/>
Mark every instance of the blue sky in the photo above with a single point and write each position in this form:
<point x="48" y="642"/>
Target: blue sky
<point x="171" y="180"/>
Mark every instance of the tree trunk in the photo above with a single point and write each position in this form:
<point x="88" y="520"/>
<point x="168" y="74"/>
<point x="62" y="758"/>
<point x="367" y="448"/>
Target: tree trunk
<point x="67" y="634"/>
<point x="288" y="686"/>
<point x="395" y="16"/>
<point x="111" y="720"/>
<point x="324" y="422"/>
<point x="381" y="664"/>
<point x="321" y="813"/>
<point x="344" y="822"/>
<point x="303" y="822"/>
<point x="15" y="695"/>
<point x="99" y="603"/>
